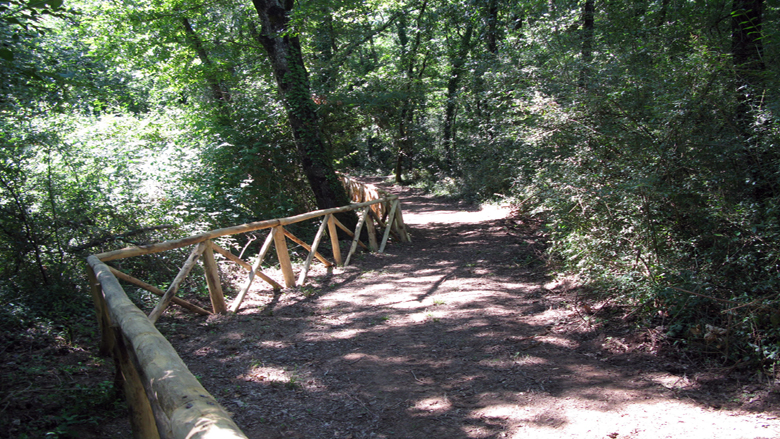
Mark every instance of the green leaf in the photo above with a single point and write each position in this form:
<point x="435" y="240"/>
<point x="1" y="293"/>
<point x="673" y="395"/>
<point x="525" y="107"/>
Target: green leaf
<point x="6" y="54"/>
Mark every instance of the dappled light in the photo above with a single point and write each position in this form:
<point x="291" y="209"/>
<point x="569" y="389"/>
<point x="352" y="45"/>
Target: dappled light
<point x="390" y="218"/>
<point x="399" y="348"/>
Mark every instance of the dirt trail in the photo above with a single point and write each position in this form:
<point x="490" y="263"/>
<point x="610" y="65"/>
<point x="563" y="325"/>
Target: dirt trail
<point x="456" y="335"/>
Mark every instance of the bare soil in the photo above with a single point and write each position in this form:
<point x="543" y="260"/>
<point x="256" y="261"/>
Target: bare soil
<point x="459" y="334"/>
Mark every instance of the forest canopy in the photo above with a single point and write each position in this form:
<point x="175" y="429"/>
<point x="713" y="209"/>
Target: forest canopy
<point x="643" y="135"/>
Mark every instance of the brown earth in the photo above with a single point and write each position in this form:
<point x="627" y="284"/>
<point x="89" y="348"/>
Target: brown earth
<point x="459" y="334"/>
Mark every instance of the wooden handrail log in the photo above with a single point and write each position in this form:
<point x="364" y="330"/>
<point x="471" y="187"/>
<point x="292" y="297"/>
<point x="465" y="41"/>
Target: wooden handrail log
<point x="165" y="399"/>
<point x="313" y="250"/>
<point x="346" y="230"/>
<point x="359" y="192"/>
<point x="246" y="265"/>
<point x="192" y="412"/>
<point x="152" y="289"/>
<point x="356" y="237"/>
<point x="303" y="244"/>
<point x="254" y="269"/>
<point x="234" y="230"/>
<point x="165" y="300"/>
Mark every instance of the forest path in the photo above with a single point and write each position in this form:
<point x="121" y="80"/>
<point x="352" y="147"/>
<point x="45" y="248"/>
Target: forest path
<point x="455" y="335"/>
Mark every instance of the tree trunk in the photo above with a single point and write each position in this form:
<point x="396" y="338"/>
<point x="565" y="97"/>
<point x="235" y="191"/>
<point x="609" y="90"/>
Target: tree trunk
<point x="219" y="91"/>
<point x="324" y="45"/>
<point x="452" y="90"/>
<point x="588" y="19"/>
<point x="747" y="53"/>
<point x="405" y="150"/>
<point x="747" y="48"/>
<point x="662" y="13"/>
<point x="284" y="52"/>
<point x="492" y="27"/>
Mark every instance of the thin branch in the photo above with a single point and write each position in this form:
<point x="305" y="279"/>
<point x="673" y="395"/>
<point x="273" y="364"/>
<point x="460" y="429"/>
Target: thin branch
<point x="342" y="55"/>
<point x="120" y="237"/>
<point x="705" y="296"/>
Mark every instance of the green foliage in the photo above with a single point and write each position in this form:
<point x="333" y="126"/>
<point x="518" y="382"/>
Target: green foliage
<point x="108" y="146"/>
<point x="656" y="171"/>
<point x="650" y="191"/>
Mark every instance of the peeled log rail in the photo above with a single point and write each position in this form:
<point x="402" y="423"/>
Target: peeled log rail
<point x="175" y="405"/>
<point x="165" y="399"/>
<point x="154" y="290"/>
<point x="165" y="300"/>
<point x="205" y="249"/>
<point x="360" y="192"/>
<point x="128" y="252"/>
<point x="246" y="265"/>
<point x="308" y="248"/>
<point x="252" y="271"/>
<point x="313" y="250"/>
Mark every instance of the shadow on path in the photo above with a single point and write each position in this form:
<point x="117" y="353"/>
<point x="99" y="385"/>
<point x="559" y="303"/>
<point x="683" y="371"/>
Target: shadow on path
<point x="451" y="336"/>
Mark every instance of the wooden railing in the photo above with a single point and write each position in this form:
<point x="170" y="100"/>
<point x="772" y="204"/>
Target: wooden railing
<point x="165" y="399"/>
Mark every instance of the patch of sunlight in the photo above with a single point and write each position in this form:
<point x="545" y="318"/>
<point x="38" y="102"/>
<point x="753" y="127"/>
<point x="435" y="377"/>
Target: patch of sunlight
<point x="552" y="316"/>
<point x="274" y="344"/>
<point x="411" y="304"/>
<point x="558" y="341"/>
<point x="433" y="405"/>
<point x="486" y="213"/>
<point x="423" y="279"/>
<point x="368" y="290"/>
<point x="524" y="286"/>
<point x="436" y="272"/>
<point x="259" y="372"/>
<point x="651" y="420"/>
<point x="234" y="335"/>
<point x="420" y="317"/>
<point x="527" y="359"/>
<point x="502" y="411"/>
<point x="668" y="380"/>
<point x="209" y="428"/>
<point x="346" y="334"/>
<point x="359" y="356"/>
<point x="564" y="283"/>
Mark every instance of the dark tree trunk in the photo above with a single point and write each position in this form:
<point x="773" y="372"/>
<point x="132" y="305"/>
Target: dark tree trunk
<point x="456" y="75"/>
<point x="324" y="45"/>
<point x="492" y="36"/>
<point x="747" y="52"/>
<point x="588" y="21"/>
<point x="402" y="147"/>
<point x="747" y="48"/>
<point x="662" y="13"/>
<point x="284" y="52"/>
<point x="404" y="140"/>
<point x="219" y="91"/>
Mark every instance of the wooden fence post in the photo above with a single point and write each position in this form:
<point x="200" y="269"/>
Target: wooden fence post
<point x="401" y="225"/>
<point x="185" y="270"/>
<point x="252" y="271"/>
<point x="313" y="250"/>
<point x="213" y="281"/>
<point x="388" y="226"/>
<point x="280" y="242"/>
<point x="370" y="229"/>
<point x="334" y="240"/>
<point x="356" y="238"/>
<point x="142" y="419"/>
<point x="101" y="312"/>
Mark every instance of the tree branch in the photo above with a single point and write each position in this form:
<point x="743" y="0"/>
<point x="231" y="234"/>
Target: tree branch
<point x="120" y="237"/>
